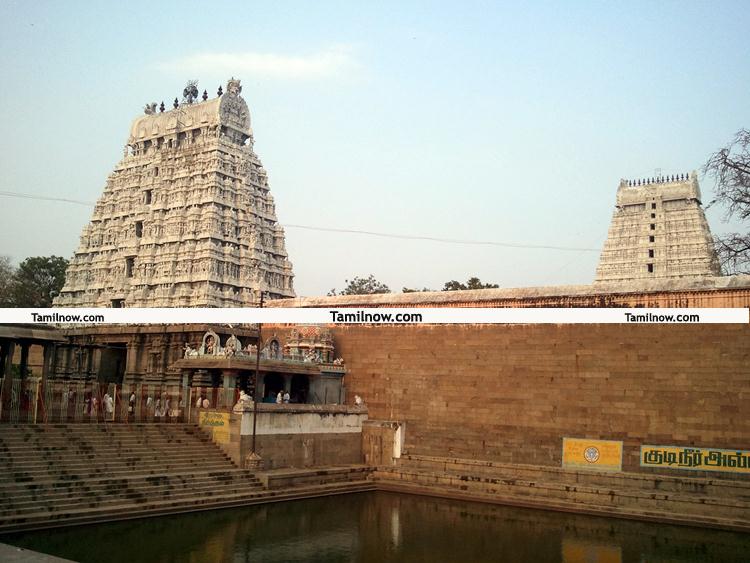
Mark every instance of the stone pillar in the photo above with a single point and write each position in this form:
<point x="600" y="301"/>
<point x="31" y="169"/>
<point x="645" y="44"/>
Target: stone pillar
<point x="24" y="367"/>
<point x="288" y="383"/>
<point x="4" y="345"/>
<point x="164" y="350"/>
<point x="90" y="363"/>
<point x="229" y="378"/>
<point x="47" y="361"/>
<point x="8" y="348"/>
<point x="187" y="377"/>
<point x="132" y="362"/>
<point x="260" y="392"/>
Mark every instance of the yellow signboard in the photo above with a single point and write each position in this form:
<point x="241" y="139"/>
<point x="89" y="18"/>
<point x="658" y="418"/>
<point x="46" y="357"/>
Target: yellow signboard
<point x="599" y="455"/>
<point x="696" y="459"/>
<point x="217" y="423"/>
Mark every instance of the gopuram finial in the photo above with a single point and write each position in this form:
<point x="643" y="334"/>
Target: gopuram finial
<point x="205" y="95"/>
<point x="176" y="103"/>
<point x="234" y="87"/>
<point x="219" y="92"/>
<point x="190" y="93"/>
<point x="161" y="107"/>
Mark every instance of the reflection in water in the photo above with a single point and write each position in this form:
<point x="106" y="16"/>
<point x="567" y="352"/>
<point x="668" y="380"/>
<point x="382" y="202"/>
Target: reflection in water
<point x="374" y="527"/>
<point x="577" y="551"/>
<point x="395" y="528"/>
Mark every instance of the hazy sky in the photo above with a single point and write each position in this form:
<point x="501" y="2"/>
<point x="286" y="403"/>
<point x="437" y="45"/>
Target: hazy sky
<point x="463" y="120"/>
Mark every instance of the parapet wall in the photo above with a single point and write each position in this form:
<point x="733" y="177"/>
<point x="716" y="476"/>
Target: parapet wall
<point x="716" y="291"/>
<point x="303" y="435"/>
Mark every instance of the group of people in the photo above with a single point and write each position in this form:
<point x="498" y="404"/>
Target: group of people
<point x="202" y="402"/>
<point x="91" y="405"/>
<point x="282" y="397"/>
<point x="159" y="407"/>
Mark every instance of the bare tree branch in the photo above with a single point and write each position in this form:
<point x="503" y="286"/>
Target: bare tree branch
<point x="730" y="169"/>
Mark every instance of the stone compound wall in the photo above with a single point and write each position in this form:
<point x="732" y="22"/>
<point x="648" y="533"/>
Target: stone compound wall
<point x="511" y="393"/>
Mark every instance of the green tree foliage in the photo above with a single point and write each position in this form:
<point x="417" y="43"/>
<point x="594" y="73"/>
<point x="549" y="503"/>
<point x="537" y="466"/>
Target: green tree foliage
<point x="7" y="273"/>
<point x="362" y="286"/>
<point x="471" y="283"/>
<point x="415" y="290"/>
<point x="38" y="280"/>
<point x="730" y="168"/>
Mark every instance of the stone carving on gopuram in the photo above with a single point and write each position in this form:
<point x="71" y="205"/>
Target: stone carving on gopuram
<point x="186" y="218"/>
<point x="658" y="231"/>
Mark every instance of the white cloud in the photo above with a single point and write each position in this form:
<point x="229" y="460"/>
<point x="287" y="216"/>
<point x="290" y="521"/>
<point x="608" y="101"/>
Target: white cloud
<point x="268" y="65"/>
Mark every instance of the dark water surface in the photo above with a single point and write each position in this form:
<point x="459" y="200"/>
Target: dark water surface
<point x="372" y="527"/>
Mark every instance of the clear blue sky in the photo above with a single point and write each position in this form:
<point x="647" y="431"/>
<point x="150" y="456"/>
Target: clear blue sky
<point x="469" y="120"/>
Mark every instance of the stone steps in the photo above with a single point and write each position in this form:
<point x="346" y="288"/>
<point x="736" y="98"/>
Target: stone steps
<point x="76" y="447"/>
<point x="578" y="494"/>
<point x="54" y="470"/>
<point x="593" y="492"/>
<point x="124" y="491"/>
<point x="284" y="478"/>
<point x="59" y="475"/>
<point x="642" y="481"/>
<point x="83" y="488"/>
<point x="139" y="495"/>
<point x="49" y="445"/>
<point x="85" y="472"/>
<point x="660" y="516"/>
<point x="106" y="483"/>
<point x="42" y="520"/>
<point x="32" y="464"/>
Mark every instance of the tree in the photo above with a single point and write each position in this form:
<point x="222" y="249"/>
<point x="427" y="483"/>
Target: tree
<point x="362" y="286"/>
<point x="7" y="281"/>
<point x="471" y="283"/>
<point x="38" y="280"/>
<point x="415" y="290"/>
<point x="730" y="168"/>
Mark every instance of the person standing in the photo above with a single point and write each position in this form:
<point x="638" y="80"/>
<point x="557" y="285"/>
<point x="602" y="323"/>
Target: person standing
<point x="279" y="398"/>
<point x="109" y="406"/>
<point x="286" y="397"/>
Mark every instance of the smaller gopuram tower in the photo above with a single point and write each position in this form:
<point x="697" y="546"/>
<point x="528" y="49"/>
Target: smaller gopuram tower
<point x="186" y="218"/>
<point x="658" y="231"/>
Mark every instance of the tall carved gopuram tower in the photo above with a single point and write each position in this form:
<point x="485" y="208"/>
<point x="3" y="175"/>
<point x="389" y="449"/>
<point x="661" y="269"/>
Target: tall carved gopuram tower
<point x="658" y="231"/>
<point x="186" y="218"/>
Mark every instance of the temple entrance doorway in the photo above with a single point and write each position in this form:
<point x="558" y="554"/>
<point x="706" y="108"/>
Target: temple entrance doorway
<point x="272" y="384"/>
<point x="113" y="361"/>
<point x="300" y="388"/>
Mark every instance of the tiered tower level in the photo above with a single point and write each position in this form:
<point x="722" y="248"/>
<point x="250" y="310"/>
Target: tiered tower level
<point x="658" y="231"/>
<point x="186" y="218"/>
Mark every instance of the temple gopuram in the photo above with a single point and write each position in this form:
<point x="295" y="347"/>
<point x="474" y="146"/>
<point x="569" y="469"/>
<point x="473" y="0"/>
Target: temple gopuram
<point x="186" y="218"/>
<point x="658" y="232"/>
